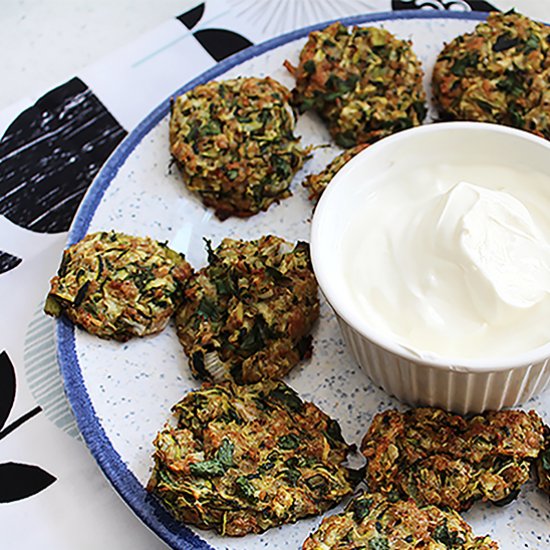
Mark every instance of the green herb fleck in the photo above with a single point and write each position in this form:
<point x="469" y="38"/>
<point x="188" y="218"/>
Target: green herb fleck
<point x="289" y="441"/>
<point x="254" y="340"/>
<point x="309" y="66"/>
<point x="485" y="105"/>
<point x="504" y="42"/>
<point x="379" y="543"/>
<point x="225" y="453"/>
<point x="198" y="364"/>
<point x="207" y="468"/>
<point x="360" y="508"/>
<point x="246" y="489"/>
<point x="449" y="538"/>
<point x="317" y="483"/>
<point x="81" y="294"/>
<point x="460" y="65"/>
<point x="288" y="397"/>
<point x="232" y="174"/>
<point x="276" y="275"/>
<point x="212" y="128"/>
<point x="516" y="117"/>
<point x="345" y="139"/>
<point x="208" y="310"/>
<point x="218" y="465"/>
<point x="532" y="43"/>
<point x="210" y="251"/>
<point x="292" y="476"/>
<point x="512" y="84"/>
<point x="281" y="166"/>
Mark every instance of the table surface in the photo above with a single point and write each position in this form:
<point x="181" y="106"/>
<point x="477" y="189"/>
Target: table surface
<point x="44" y="43"/>
<point x="69" y="36"/>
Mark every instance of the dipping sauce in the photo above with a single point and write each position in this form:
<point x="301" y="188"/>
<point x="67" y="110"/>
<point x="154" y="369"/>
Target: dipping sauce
<point x="454" y="261"/>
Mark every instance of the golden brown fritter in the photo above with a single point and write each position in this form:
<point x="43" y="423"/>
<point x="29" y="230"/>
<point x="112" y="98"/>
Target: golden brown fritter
<point x="365" y="84"/>
<point x="248" y="314"/>
<point x="317" y="183"/>
<point x="499" y="73"/>
<point x="243" y="459"/>
<point x="373" y="521"/>
<point x="542" y="464"/>
<point x="445" y="459"/>
<point x="234" y="144"/>
<point x="118" y="286"/>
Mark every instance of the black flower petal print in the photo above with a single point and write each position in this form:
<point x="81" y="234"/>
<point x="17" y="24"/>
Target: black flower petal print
<point x="50" y="154"/>
<point x="465" y="5"/>
<point x="219" y="43"/>
<point x="7" y="387"/>
<point x="192" y="17"/>
<point x="8" y="262"/>
<point x="18" y="481"/>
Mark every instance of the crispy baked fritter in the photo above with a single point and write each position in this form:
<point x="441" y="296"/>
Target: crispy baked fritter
<point x="446" y="459"/>
<point x="373" y="521"/>
<point x="242" y="459"/>
<point x="365" y="84"/>
<point x="317" y="183"/>
<point x="499" y="73"/>
<point x="542" y="464"/>
<point x="247" y="315"/>
<point x="118" y="286"/>
<point x="233" y="141"/>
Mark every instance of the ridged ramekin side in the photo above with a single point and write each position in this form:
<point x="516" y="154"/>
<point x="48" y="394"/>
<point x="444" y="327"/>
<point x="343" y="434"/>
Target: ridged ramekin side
<point x="459" y="390"/>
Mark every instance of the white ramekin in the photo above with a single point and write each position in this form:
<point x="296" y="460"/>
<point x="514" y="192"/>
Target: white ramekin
<point x="453" y="383"/>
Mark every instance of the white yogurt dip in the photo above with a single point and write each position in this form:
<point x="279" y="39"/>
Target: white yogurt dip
<point x="453" y="262"/>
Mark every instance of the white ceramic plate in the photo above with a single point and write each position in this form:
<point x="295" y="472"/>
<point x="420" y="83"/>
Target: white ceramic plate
<point x="122" y="393"/>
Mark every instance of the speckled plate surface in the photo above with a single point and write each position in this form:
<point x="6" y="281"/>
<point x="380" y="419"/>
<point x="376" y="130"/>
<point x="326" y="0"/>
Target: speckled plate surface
<point x="122" y="393"/>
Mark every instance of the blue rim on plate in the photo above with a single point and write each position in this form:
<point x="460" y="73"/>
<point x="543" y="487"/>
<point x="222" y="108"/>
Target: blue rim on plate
<point x="125" y="482"/>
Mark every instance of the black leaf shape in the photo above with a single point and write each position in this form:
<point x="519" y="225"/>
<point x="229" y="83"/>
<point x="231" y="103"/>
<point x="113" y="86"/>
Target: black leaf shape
<point x="7" y="387"/>
<point x="221" y="43"/>
<point x="481" y="5"/>
<point x="19" y="481"/>
<point x="474" y="5"/>
<point x="192" y="17"/>
<point x="8" y="262"/>
<point x="50" y="154"/>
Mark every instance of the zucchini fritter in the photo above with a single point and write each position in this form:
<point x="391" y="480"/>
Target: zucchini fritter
<point x="317" y="183"/>
<point x="118" y="286"/>
<point x="498" y="73"/>
<point x="365" y="84"/>
<point x="375" y="522"/>
<point x="234" y="143"/>
<point x="248" y="314"/>
<point x="542" y="464"/>
<point x="242" y="459"/>
<point x="445" y="459"/>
